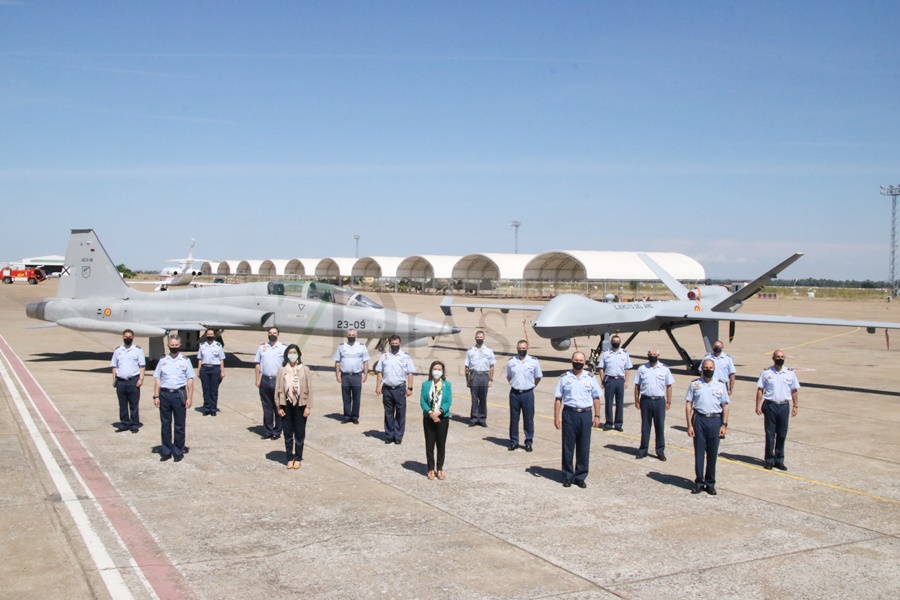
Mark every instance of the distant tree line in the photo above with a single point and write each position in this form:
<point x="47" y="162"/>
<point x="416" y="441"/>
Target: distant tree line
<point x="814" y="282"/>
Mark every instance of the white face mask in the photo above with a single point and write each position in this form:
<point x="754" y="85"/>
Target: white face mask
<point x="293" y="357"/>
<point x="437" y="374"/>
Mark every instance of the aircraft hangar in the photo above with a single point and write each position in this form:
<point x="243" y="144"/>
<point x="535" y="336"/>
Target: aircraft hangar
<point x="474" y="271"/>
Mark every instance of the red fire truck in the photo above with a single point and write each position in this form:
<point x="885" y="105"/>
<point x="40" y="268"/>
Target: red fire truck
<point x="32" y="276"/>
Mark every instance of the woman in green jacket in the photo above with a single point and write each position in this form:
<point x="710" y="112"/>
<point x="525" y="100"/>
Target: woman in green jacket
<point x="436" y="397"/>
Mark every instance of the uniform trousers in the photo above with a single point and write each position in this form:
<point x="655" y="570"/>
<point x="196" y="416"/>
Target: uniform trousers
<point x="706" y="445"/>
<point x="394" y="411"/>
<point x="210" y="377"/>
<point x="172" y="409"/>
<point x="776" y="421"/>
<point x="435" y="435"/>
<point x="294" y="424"/>
<point x="271" y="418"/>
<point x="479" y="388"/>
<point x="521" y="402"/>
<point x="129" y="395"/>
<point x="576" y="442"/>
<point x="653" y="411"/>
<point x="614" y="392"/>
<point x="351" y="390"/>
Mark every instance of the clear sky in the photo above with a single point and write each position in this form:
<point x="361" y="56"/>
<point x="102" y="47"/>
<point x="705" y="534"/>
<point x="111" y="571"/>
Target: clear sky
<point x="734" y="132"/>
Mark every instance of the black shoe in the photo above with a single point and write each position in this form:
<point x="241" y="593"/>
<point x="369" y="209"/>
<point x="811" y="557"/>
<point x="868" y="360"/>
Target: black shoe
<point x="768" y="467"/>
<point x="567" y="484"/>
<point x="266" y="436"/>
<point x="275" y="436"/>
<point x="473" y="424"/>
<point x="618" y="428"/>
<point x="346" y="420"/>
<point x="483" y="424"/>
<point x="205" y="413"/>
<point x="388" y="441"/>
<point x="711" y="490"/>
<point x="607" y="427"/>
<point x="134" y="431"/>
<point x="528" y="448"/>
<point x="165" y="457"/>
<point x="661" y="456"/>
<point x="212" y="413"/>
<point x="513" y="447"/>
<point x="581" y="484"/>
<point x="698" y="487"/>
<point x="780" y="467"/>
<point x="121" y="429"/>
<point x="398" y="442"/>
<point x="641" y="455"/>
<point x="179" y="458"/>
<point x="356" y="421"/>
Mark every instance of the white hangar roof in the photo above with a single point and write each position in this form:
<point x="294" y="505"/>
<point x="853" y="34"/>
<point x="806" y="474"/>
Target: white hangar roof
<point x="615" y="266"/>
<point x="491" y="266"/>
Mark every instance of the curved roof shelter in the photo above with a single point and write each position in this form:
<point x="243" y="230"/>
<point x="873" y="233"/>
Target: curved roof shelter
<point x="208" y="267"/>
<point x="377" y="266"/>
<point x="427" y="267"/>
<point x="248" y="267"/>
<point x="270" y="268"/>
<point x="335" y="267"/>
<point x="228" y="267"/>
<point x="297" y="267"/>
<point x="566" y="265"/>
<point x="491" y="266"/>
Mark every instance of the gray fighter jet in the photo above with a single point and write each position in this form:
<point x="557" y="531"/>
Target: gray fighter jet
<point x="570" y="315"/>
<point x="94" y="297"/>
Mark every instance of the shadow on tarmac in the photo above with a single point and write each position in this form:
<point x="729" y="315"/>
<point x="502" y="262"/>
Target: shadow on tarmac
<point x="750" y="460"/>
<point x="415" y="466"/>
<point x="623" y="449"/>
<point x="554" y="475"/>
<point x="673" y="480"/>
<point x="375" y="433"/>
<point x="495" y="440"/>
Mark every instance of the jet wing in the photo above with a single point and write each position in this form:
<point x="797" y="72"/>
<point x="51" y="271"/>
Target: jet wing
<point x="673" y="284"/>
<point x="447" y="305"/>
<point x="710" y="315"/>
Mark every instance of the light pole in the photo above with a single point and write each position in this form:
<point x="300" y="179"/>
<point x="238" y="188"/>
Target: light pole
<point x="356" y="238"/>
<point x="893" y="191"/>
<point x="515" y="223"/>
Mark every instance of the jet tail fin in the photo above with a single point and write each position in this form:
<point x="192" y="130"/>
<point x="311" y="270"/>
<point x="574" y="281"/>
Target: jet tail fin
<point x="757" y="284"/>
<point x="90" y="270"/>
<point x="673" y="284"/>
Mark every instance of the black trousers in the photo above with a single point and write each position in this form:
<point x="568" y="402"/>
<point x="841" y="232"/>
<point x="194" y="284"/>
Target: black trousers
<point x="271" y="418"/>
<point x="172" y="409"/>
<point x="776" y="421"/>
<point x="351" y="390"/>
<point x="521" y="402"/>
<point x="129" y="395"/>
<point x="653" y="412"/>
<point x="294" y="424"/>
<point x="435" y="435"/>
<point x="394" y="412"/>
<point x="706" y="446"/>
<point x="479" y="392"/>
<point x="210" y="377"/>
<point x="614" y="393"/>
<point x="576" y="443"/>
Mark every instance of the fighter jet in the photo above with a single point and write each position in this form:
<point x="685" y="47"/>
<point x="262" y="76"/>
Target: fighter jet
<point x="570" y="315"/>
<point x="94" y="297"/>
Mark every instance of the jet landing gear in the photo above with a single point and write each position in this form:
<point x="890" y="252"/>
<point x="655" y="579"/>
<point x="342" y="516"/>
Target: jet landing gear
<point x="593" y="361"/>
<point x="681" y="351"/>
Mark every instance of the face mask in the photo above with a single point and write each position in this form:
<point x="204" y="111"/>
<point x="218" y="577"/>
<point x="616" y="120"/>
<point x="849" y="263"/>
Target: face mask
<point x="127" y="341"/>
<point x="577" y="366"/>
<point x="479" y="342"/>
<point x="273" y="338"/>
<point x="708" y="373"/>
<point x="652" y="359"/>
<point x="174" y="351"/>
<point x="395" y="349"/>
<point x="523" y="353"/>
<point x="351" y="340"/>
<point x="437" y="373"/>
<point x="717" y="351"/>
<point x="615" y="345"/>
<point x="293" y="357"/>
<point x="779" y="362"/>
<point x="210" y="339"/>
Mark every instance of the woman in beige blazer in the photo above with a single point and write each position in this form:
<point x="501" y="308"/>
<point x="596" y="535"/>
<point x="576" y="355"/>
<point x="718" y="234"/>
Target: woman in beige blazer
<point x="293" y="397"/>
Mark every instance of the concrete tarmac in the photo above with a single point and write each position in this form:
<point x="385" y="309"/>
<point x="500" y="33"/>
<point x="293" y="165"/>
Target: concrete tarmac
<point x="90" y="513"/>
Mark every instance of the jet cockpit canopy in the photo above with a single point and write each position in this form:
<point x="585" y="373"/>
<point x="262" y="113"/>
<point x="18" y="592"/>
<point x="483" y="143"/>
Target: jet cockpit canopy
<point x="323" y="292"/>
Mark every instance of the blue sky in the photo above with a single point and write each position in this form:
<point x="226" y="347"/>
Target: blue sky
<point x="734" y="132"/>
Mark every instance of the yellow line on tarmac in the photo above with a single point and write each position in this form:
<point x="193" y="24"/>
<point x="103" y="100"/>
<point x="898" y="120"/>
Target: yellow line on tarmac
<point x="830" y="337"/>
<point x="739" y="463"/>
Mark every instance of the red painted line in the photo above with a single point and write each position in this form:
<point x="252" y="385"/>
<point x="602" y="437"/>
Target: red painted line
<point x="165" y="579"/>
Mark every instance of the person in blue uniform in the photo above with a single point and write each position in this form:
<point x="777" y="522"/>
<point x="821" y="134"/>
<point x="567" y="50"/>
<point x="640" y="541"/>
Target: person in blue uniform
<point x="394" y="382"/>
<point x="776" y="389"/>
<point x="435" y="400"/>
<point x="479" y="365"/>
<point x="706" y="410"/>
<point x="523" y="372"/>
<point x="269" y="357"/>
<point x="653" y="397"/>
<point x="725" y="371"/>
<point x="613" y="365"/>
<point x="211" y="364"/>
<point x="128" y="365"/>
<point x="173" y="394"/>
<point x="351" y="369"/>
<point x="577" y="392"/>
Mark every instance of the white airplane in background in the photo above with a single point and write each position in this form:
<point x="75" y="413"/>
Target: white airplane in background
<point x="183" y="274"/>
<point x="572" y="315"/>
